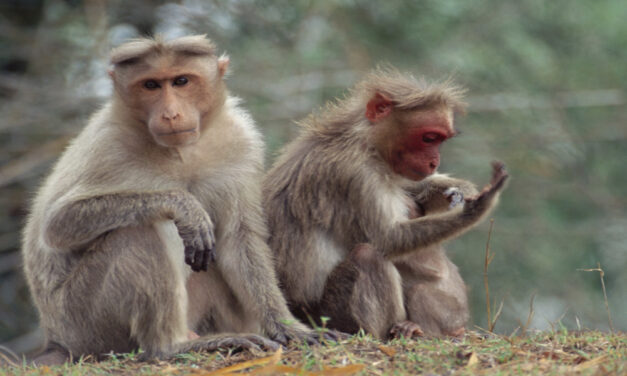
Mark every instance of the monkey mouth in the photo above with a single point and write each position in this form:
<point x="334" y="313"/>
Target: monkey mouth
<point x="191" y="130"/>
<point x="417" y="175"/>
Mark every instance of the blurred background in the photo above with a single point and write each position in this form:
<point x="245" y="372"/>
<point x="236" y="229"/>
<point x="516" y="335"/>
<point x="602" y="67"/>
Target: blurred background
<point x="547" y="96"/>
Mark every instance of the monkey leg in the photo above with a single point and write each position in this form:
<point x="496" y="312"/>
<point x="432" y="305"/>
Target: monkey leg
<point x="214" y="308"/>
<point x="202" y="299"/>
<point x="128" y="291"/>
<point x="364" y="291"/>
<point x="435" y="294"/>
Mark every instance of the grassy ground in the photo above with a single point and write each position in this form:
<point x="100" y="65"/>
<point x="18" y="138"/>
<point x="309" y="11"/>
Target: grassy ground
<point x="563" y="352"/>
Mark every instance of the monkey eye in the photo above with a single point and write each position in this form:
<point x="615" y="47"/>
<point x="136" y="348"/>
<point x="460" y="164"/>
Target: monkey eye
<point x="180" y="81"/>
<point x="151" y="85"/>
<point x="429" y="138"/>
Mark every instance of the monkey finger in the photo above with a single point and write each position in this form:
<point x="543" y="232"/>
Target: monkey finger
<point x="189" y="256"/>
<point x="199" y="261"/>
<point x="498" y="171"/>
<point x="311" y="340"/>
<point x="205" y="234"/>
<point x="236" y="343"/>
<point x="502" y="178"/>
<point x="209" y="245"/>
<point x="280" y="338"/>
<point x="498" y="166"/>
<point x="334" y="335"/>
<point x="212" y="254"/>
<point x="407" y="329"/>
<point x="199" y="256"/>
<point x="205" y="259"/>
<point x="263" y="342"/>
<point x="194" y="260"/>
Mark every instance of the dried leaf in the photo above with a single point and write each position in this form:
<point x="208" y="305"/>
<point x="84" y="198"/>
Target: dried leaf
<point x="168" y="368"/>
<point x="339" y="371"/>
<point x="548" y="355"/>
<point x="473" y="360"/>
<point x="277" y="369"/>
<point x="273" y="359"/>
<point x="389" y="351"/>
<point x="591" y="363"/>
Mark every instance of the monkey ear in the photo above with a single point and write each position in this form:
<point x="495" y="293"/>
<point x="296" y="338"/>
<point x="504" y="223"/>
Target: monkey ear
<point x="378" y="107"/>
<point x="111" y="73"/>
<point x="223" y="64"/>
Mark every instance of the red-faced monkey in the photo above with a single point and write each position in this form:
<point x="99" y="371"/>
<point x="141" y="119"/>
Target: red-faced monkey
<point x="166" y="174"/>
<point x="342" y="197"/>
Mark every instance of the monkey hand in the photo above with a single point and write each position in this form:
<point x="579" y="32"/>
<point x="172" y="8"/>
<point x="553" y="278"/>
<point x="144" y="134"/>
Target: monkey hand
<point x="481" y="203"/>
<point x="196" y="229"/>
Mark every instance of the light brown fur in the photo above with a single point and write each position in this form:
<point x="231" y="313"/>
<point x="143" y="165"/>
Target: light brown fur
<point x="127" y="206"/>
<point x="333" y="188"/>
<point x="434" y="292"/>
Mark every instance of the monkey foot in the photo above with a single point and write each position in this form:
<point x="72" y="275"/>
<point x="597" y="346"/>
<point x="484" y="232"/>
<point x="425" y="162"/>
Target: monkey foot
<point x="457" y="333"/>
<point x="192" y="335"/>
<point x="50" y="358"/>
<point x="407" y="329"/>
<point x="234" y="342"/>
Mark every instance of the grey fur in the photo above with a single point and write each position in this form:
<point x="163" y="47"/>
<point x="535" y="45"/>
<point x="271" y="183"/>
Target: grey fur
<point x="331" y="189"/>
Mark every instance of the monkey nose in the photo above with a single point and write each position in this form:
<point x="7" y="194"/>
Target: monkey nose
<point x="166" y="116"/>
<point x="170" y="115"/>
<point x="433" y="166"/>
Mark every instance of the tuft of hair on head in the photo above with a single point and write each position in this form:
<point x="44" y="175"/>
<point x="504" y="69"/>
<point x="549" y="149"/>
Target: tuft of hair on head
<point x="134" y="50"/>
<point x="403" y="89"/>
<point x="409" y="93"/>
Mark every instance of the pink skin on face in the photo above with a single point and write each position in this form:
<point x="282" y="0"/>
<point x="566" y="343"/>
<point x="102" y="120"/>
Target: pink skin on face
<point x="418" y="153"/>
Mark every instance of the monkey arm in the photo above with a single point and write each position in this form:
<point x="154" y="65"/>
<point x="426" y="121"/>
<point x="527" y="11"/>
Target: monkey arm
<point x="75" y="222"/>
<point x="423" y="232"/>
<point x="429" y="230"/>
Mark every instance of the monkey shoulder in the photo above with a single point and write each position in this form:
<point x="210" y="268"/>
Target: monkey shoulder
<point x="245" y="125"/>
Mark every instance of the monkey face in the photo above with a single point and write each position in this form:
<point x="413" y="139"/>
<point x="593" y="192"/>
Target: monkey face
<point x="410" y="141"/>
<point x="417" y="155"/>
<point x="172" y="120"/>
<point x="172" y="97"/>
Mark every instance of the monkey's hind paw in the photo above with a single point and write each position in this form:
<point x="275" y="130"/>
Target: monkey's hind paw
<point x="250" y="342"/>
<point x="457" y="333"/>
<point x="406" y="329"/>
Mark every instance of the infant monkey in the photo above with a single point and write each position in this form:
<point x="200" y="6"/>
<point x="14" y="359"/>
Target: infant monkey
<point x="434" y="292"/>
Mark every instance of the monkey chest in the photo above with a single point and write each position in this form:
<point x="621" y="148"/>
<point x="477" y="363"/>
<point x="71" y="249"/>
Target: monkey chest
<point x="395" y="206"/>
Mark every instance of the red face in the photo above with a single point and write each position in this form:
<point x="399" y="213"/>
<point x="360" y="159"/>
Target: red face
<point x="412" y="148"/>
<point x="418" y="154"/>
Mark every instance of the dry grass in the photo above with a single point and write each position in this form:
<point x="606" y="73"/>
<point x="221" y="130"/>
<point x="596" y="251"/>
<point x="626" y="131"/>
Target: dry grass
<point x="563" y="352"/>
